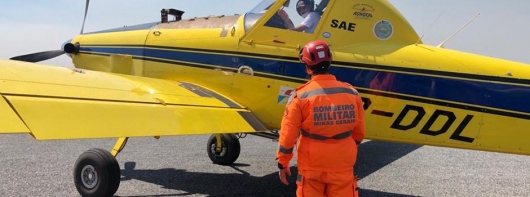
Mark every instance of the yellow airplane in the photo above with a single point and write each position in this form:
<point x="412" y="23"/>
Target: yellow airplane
<point x="233" y="74"/>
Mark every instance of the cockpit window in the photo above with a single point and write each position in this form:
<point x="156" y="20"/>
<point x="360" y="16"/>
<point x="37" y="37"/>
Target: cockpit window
<point x="262" y="7"/>
<point x="295" y="15"/>
<point x="299" y="15"/>
<point x="250" y="20"/>
<point x="257" y="12"/>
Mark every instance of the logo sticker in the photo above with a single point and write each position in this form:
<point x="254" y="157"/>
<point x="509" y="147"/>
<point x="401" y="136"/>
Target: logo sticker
<point x="363" y="11"/>
<point x="383" y="30"/>
<point x="364" y="8"/>
<point x="285" y="95"/>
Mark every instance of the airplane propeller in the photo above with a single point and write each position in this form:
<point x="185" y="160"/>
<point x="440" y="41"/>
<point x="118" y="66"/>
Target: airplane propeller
<point x="37" y="57"/>
<point x="46" y="55"/>
<point x="84" y="19"/>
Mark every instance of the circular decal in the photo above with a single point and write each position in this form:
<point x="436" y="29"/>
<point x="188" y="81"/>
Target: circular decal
<point x="326" y="35"/>
<point x="383" y="30"/>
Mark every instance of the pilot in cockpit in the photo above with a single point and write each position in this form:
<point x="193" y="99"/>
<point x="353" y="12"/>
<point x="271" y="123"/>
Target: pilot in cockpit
<point x="306" y="9"/>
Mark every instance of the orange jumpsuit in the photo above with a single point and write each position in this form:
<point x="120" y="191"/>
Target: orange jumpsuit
<point x="328" y="116"/>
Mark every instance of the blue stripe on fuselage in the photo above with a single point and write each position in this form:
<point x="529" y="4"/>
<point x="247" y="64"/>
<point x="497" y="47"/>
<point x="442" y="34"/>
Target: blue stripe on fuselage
<point x="487" y="94"/>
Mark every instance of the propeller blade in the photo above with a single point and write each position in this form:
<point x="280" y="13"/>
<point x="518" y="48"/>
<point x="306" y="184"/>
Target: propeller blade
<point x="86" y="12"/>
<point x="37" y="57"/>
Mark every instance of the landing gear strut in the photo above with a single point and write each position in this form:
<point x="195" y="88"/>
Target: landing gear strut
<point x="223" y="149"/>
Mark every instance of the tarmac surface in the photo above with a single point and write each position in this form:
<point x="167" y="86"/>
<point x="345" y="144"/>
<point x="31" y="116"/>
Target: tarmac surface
<point x="179" y="166"/>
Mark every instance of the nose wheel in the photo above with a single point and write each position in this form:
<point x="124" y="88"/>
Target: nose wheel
<point x="223" y="149"/>
<point x="97" y="173"/>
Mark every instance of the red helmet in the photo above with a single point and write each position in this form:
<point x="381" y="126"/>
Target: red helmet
<point x="315" y="52"/>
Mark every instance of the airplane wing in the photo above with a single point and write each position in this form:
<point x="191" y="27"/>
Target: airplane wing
<point x="61" y="103"/>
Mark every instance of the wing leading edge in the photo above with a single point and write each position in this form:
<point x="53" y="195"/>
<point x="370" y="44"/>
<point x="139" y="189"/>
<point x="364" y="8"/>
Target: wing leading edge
<point x="61" y="103"/>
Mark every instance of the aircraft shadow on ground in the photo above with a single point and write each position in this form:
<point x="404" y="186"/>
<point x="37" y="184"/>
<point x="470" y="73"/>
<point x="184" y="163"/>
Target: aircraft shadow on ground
<point x="374" y="156"/>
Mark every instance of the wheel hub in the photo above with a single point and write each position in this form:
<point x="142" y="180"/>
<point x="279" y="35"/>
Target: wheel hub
<point x="217" y="153"/>
<point x="89" y="176"/>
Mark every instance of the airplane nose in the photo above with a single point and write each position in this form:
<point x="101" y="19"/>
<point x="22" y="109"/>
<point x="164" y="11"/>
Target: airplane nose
<point x="70" y="48"/>
<point x="65" y="43"/>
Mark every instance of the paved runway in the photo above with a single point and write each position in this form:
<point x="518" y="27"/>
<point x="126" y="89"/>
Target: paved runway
<point x="179" y="166"/>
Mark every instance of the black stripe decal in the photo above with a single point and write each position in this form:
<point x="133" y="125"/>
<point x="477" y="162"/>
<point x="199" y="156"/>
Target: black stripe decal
<point x="253" y="121"/>
<point x="281" y="78"/>
<point x="464" y="76"/>
<point x="194" y="89"/>
<point x="203" y="91"/>
<point x="421" y="100"/>
<point x="224" y="69"/>
<point x="185" y="64"/>
<point x="168" y="62"/>
<point x="447" y="104"/>
<point x="200" y="50"/>
<point x="383" y="113"/>
<point x="88" y="53"/>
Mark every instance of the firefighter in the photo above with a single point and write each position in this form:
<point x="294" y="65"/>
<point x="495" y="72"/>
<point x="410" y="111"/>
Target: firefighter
<point x="327" y="118"/>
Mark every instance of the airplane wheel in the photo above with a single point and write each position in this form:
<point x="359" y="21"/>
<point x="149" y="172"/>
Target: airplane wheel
<point x="229" y="152"/>
<point x="97" y="173"/>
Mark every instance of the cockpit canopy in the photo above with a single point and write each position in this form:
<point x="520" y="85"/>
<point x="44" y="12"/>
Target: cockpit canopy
<point x="291" y="8"/>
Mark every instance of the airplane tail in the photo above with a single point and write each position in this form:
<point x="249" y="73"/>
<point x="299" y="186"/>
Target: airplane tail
<point x="359" y="21"/>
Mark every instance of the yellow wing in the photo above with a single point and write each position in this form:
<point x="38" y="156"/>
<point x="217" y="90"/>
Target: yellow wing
<point x="60" y="103"/>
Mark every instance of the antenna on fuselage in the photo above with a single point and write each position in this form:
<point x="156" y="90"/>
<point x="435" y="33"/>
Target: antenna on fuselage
<point x="429" y="28"/>
<point x="84" y="19"/>
<point x="442" y="45"/>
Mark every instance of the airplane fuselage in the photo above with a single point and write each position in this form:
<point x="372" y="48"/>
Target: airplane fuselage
<point x="225" y="75"/>
<point x="413" y="93"/>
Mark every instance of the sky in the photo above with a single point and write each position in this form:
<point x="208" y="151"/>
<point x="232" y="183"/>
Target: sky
<point x="28" y="26"/>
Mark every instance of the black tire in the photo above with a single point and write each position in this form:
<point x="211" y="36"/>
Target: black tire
<point x="101" y="165"/>
<point x="229" y="154"/>
<point x="114" y="174"/>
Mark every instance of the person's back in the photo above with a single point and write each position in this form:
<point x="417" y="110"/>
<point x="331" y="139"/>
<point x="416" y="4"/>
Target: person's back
<point x="327" y="118"/>
<point x="329" y="109"/>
